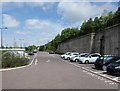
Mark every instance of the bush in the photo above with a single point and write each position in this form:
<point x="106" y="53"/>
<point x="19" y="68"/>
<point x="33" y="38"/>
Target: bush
<point x="9" y="60"/>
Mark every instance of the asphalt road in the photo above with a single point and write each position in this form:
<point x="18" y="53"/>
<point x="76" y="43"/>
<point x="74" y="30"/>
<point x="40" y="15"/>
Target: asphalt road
<point x="49" y="71"/>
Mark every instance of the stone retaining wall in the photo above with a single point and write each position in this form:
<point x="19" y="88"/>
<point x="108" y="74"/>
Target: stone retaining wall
<point x="104" y="42"/>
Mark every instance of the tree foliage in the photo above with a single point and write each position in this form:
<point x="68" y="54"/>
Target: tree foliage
<point x="30" y="48"/>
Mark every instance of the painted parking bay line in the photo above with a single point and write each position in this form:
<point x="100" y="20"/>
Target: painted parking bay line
<point x="86" y="69"/>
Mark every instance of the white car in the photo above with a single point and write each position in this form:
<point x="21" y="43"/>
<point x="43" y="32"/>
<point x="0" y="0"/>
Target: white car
<point x="69" y="55"/>
<point x="73" y="54"/>
<point x="77" y="58"/>
<point x="90" y="58"/>
<point x="64" y="55"/>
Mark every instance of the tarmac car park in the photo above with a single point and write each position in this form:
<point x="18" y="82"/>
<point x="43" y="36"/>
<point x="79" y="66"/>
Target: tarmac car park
<point x="90" y="64"/>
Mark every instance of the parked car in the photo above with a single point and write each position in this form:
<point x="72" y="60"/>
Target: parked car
<point x="109" y="60"/>
<point x="114" y="68"/>
<point x="30" y="53"/>
<point x="51" y="52"/>
<point x="73" y="54"/>
<point x="77" y="57"/>
<point x="34" y="51"/>
<point x="91" y="58"/>
<point x="99" y="62"/>
<point x="67" y="53"/>
<point x="70" y="55"/>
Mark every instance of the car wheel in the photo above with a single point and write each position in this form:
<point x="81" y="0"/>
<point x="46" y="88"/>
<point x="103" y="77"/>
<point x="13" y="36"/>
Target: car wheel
<point x="86" y="62"/>
<point x="76" y="60"/>
<point x="68" y="58"/>
<point x="104" y="67"/>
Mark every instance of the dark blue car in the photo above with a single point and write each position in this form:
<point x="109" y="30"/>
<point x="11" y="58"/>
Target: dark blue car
<point x="114" y="68"/>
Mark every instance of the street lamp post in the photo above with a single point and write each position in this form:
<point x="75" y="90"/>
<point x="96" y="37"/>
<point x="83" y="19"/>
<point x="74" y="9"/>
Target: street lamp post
<point x="21" y="42"/>
<point x="2" y="36"/>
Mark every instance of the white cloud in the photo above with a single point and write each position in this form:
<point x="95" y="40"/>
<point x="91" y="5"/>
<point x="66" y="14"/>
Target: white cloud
<point x="79" y="11"/>
<point x="30" y="1"/>
<point x="32" y="23"/>
<point x="43" y="5"/>
<point x="44" y="29"/>
<point x="22" y="32"/>
<point x="32" y="5"/>
<point x="42" y="25"/>
<point x="60" y="0"/>
<point x="0" y="14"/>
<point x="10" y="21"/>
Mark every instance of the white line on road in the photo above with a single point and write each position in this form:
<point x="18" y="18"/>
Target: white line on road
<point x="108" y="81"/>
<point x="100" y="72"/>
<point x="104" y="75"/>
<point x="48" y="61"/>
<point x="33" y="60"/>
<point x="116" y="78"/>
<point x="112" y="83"/>
<point x="36" y="61"/>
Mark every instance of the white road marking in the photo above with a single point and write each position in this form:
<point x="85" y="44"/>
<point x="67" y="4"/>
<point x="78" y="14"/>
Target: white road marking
<point x="48" y="61"/>
<point x="105" y="75"/>
<point x="116" y="78"/>
<point x="107" y="81"/>
<point x="84" y="71"/>
<point x="87" y="67"/>
<point x="100" y="72"/>
<point x="112" y="83"/>
<point x="36" y="61"/>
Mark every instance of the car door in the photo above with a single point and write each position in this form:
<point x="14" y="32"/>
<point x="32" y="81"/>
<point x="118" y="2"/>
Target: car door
<point x="93" y="57"/>
<point x="83" y="57"/>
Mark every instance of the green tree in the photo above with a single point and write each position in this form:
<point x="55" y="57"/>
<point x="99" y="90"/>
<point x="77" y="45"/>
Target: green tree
<point x="96" y="24"/>
<point x="30" y="48"/>
<point x="87" y="27"/>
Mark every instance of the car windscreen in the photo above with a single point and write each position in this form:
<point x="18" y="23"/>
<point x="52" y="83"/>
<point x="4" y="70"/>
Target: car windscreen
<point x="118" y="61"/>
<point x="75" y="54"/>
<point x="68" y="53"/>
<point x="82" y="55"/>
<point x="95" y="55"/>
<point x="102" y="57"/>
<point x="112" y="59"/>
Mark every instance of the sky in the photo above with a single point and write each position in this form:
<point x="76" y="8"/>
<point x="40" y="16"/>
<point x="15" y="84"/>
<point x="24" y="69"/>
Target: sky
<point x="37" y="23"/>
